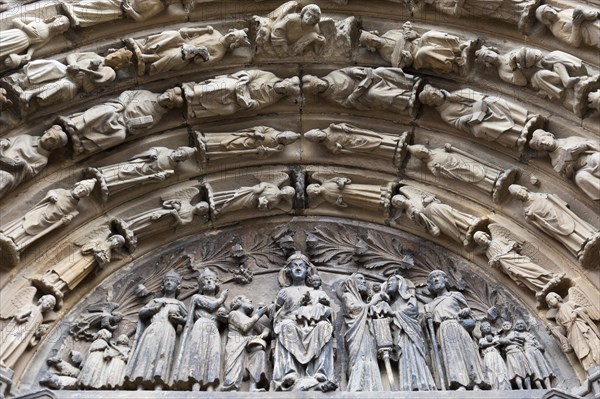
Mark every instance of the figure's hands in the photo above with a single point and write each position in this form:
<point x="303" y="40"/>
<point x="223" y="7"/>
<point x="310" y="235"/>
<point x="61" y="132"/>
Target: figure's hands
<point x="67" y="219"/>
<point x="53" y="198"/>
<point x="4" y="144"/>
<point x="224" y="294"/>
<point x="465" y="313"/>
<point x="176" y="318"/>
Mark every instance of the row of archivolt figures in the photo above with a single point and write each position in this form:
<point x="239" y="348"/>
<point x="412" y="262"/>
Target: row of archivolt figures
<point x="289" y="345"/>
<point x="134" y="112"/>
<point x="42" y="83"/>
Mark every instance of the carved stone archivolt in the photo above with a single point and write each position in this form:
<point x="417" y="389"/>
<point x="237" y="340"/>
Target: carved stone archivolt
<point x="343" y="196"/>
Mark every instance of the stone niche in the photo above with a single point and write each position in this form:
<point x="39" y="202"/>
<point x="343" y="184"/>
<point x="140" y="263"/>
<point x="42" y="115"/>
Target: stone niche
<point x="321" y="331"/>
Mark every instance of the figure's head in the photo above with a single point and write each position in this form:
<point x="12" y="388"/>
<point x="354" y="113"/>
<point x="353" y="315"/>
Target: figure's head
<point x="310" y="14"/>
<point x="183" y="154"/>
<point x="542" y="140"/>
<point x="119" y="59"/>
<point x="419" y="151"/>
<point x="399" y="201"/>
<point x="553" y="299"/>
<point x="116" y="241"/>
<point x="370" y="40"/>
<point x="392" y="284"/>
<point x="54" y="138"/>
<point x="171" y="282"/>
<point x="298" y="267"/>
<point x="172" y="98"/>
<point x="546" y="14"/>
<point x="209" y="281"/>
<point x="237" y="38"/>
<point x="437" y="281"/>
<point x="485" y="328"/>
<point x="46" y="303"/>
<point x="60" y="24"/>
<point x="432" y="96"/>
<point x="104" y="334"/>
<point x="313" y="85"/>
<point x="287" y="137"/>
<point x="519" y="192"/>
<point x="506" y="326"/>
<point x="488" y="55"/>
<point x="361" y="284"/>
<point x="482" y="238"/>
<point x="83" y="188"/>
<point x="314" y="190"/>
<point x="123" y="340"/>
<point x="201" y="208"/>
<point x="314" y="281"/>
<point x="594" y="100"/>
<point x="287" y="193"/>
<point x="520" y="325"/>
<point x="242" y="302"/>
<point x="315" y="135"/>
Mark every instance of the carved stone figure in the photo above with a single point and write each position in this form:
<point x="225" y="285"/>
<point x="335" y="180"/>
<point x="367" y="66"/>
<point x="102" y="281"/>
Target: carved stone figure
<point x="364" y="88"/>
<point x="413" y="371"/>
<point x="557" y="75"/>
<point x="542" y="372"/>
<point x="119" y="355"/>
<point x="264" y="196"/>
<point x="94" y="371"/>
<point x="519" y="369"/>
<point x="452" y="163"/>
<point x="23" y="157"/>
<point x="56" y="209"/>
<point x="437" y="218"/>
<point x="485" y="117"/>
<point x="434" y="50"/>
<point x="199" y="361"/>
<point x="551" y="215"/>
<point x="84" y="13"/>
<point x="575" y="327"/>
<point x="26" y="327"/>
<point x="156" y="164"/>
<point x="516" y="12"/>
<point x="66" y="374"/>
<point x="574" y="157"/>
<point x="105" y="125"/>
<point x="575" y="26"/>
<point x="347" y="139"/>
<point x="245" y="348"/>
<point x="494" y="367"/>
<point x="249" y="90"/>
<point x="29" y="35"/>
<point x="448" y="310"/>
<point x="505" y="253"/>
<point x="303" y="357"/>
<point x="363" y="369"/>
<point x="340" y="192"/>
<point x="151" y="361"/>
<point x="180" y="205"/>
<point x="46" y="82"/>
<point x="97" y="250"/>
<point x="172" y="50"/>
<point x="260" y="141"/>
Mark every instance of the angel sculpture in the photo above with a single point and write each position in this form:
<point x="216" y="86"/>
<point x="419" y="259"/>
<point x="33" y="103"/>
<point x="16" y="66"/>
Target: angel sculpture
<point x="156" y="164"/>
<point x="97" y="249"/>
<point x="575" y="325"/>
<point x="435" y="50"/>
<point x="575" y="26"/>
<point x="26" y="326"/>
<point x="263" y="196"/>
<point x="426" y="210"/>
<point x="341" y="192"/>
<point x="347" y="139"/>
<point x="454" y="164"/>
<point x="259" y="141"/>
<point x="56" y="209"/>
<point x="181" y="205"/>
<point x="515" y="259"/>
<point x="85" y="13"/>
<point x="174" y="50"/>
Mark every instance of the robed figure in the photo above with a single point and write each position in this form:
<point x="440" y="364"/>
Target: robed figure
<point x="154" y="347"/>
<point x="303" y="357"/>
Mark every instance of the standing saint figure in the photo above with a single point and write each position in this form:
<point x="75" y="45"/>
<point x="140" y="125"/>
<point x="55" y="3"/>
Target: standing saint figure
<point x="245" y="348"/>
<point x="24" y="329"/>
<point x="151" y="360"/>
<point x="459" y="354"/>
<point x="413" y="371"/>
<point x="22" y="157"/>
<point x="303" y="357"/>
<point x="94" y="371"/>
<point x="575" y="327"/>
<point x="542" y="371"/>
<point x="119" y="354"/>
<point x="494" y="367"/>
<point x="362" y="349"/>
<point x="199" y="360"/>
<point x="519" y="369"/>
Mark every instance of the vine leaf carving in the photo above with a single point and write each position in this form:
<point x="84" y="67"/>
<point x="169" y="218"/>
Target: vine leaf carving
<point x="216" y="256"/>
<point x="327" y="246"/>
<point x="263" y="252"/>
<point x="377" y="251"/>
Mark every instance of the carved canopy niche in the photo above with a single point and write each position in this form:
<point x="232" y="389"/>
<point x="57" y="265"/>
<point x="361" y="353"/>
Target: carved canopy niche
<point x="146" y="144"/>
